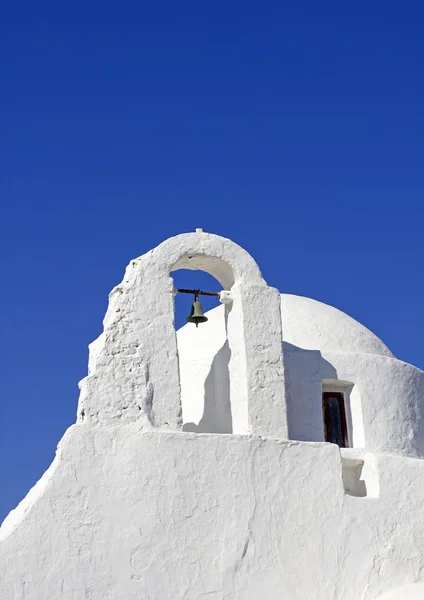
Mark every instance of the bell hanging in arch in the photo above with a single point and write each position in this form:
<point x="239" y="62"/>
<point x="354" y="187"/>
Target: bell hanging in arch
<point x="196" y="316"/>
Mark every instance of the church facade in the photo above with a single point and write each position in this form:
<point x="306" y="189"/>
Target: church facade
<point x="275" y="451"/>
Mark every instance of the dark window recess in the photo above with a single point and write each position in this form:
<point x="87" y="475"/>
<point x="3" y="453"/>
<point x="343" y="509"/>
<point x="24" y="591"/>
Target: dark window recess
<point x="334" y="414"/>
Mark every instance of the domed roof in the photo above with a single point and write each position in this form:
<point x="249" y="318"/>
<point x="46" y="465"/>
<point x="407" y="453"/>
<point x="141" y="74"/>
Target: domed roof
<point x="314" y="325"/>
<point x="307" y="324"/>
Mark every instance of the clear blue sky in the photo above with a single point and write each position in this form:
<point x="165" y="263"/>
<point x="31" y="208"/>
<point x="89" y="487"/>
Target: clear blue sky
<point x="294" y="128"/>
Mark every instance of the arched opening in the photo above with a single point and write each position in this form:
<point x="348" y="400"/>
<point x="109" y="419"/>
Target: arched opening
<point x="199" y="280"/>
<point x="211" y="265"/>
<point x="204" y="356"/>
<point x="139" y="333"/>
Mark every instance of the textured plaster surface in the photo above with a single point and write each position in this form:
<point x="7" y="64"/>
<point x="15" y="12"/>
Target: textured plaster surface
<point x="134" y="508"/>
<point x="312" y="325"/>
<point x="408" y="592"/>
<point x="390" y="393"/>
<point x="386" y="395"/>
<point x="130" y="514"/>
<point x="134" y="367"/>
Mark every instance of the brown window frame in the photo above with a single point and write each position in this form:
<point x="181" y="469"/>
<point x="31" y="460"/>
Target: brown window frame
<point x="341" y="398"/>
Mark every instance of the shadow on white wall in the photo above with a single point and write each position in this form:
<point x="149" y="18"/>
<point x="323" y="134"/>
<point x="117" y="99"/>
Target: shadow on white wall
<point x="217" y="416"/>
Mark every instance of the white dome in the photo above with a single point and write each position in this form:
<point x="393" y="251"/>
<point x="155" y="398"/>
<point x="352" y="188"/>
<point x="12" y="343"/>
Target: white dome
<point x="312" y="325"/>
<point x="307" y="324"/>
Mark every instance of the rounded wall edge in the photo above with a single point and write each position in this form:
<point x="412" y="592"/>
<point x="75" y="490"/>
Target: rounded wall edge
<point x="313" y="325"/>
<point x="222" y="258"/>
<point x="392" y="400"/>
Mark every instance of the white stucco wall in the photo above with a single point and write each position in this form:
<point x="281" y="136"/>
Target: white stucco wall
<point x="134" y="508"/>
<point x="386" y="396"/>
<point x="313" y="325"/>
<point x="134" y="367"/>
<point x="414" y="591"/>
<point x="133" y="514"/>
<point x="390" y="394"/>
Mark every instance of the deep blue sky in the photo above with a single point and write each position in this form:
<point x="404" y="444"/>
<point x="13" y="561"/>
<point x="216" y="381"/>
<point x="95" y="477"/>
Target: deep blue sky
<point x="294" y="128"/>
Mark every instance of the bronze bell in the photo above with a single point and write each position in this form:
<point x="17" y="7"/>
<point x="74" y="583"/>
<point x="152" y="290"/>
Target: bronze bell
<point x="196" y="315"/>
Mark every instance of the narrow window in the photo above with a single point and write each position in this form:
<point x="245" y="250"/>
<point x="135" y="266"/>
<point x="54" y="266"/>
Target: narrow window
<point x="334" y="415"/>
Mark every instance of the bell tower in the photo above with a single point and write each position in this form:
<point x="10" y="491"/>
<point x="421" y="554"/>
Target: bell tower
<point x="134" y="371"/>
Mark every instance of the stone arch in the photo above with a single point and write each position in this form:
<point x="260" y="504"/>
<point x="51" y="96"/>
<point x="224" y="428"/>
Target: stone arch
<point x="135" y="368"/>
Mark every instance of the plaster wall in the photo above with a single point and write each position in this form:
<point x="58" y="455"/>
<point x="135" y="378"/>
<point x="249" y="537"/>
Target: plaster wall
<point x="313" y="325"/>
<point x="385" y="396"/>
<point x="134" y="367"/>
<point x="414" y="591"/>
<point x="388" y="398"/>
<point x="134" y="508"/>
<point x="130" y="513"/>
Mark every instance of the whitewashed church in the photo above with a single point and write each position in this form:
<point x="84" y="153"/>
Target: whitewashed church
<point x="271" y="449"/>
